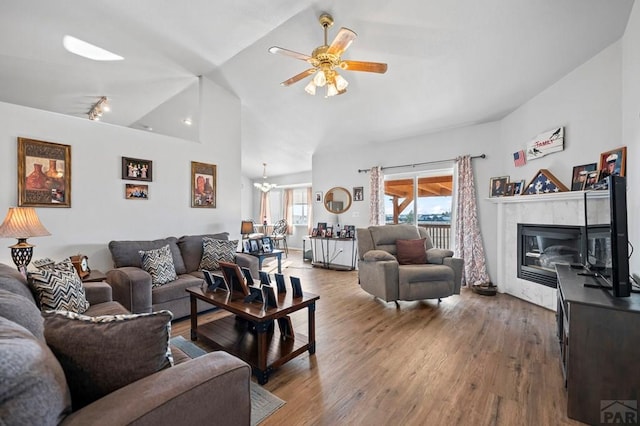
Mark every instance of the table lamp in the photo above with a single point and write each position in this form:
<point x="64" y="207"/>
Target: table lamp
<point x="246" y="228"/>
<point x="22" y="223"/>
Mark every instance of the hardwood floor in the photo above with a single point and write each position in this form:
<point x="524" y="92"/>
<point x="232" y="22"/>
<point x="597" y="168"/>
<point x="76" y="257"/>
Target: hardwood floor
<point x="470" y="360"/>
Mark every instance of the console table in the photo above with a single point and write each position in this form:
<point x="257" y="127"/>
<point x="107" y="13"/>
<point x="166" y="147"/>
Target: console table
<point x="334" y="253"/>
<point x="599" y="338"/>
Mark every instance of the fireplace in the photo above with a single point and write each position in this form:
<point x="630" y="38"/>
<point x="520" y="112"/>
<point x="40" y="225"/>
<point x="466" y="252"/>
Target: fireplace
<point x="540" y="247"/>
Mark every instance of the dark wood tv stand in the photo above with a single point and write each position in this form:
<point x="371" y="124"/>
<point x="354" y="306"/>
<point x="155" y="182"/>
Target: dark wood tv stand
<point x="599" y="339"/>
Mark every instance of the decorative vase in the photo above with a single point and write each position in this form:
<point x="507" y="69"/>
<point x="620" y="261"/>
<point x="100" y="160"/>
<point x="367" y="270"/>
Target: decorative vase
<point x="37" y="179"/>
<point x="53" y="170"/>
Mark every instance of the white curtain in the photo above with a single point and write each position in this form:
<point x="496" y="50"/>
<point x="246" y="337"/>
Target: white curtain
<point x="376" y="197"/>
<point x="468" y="238"/>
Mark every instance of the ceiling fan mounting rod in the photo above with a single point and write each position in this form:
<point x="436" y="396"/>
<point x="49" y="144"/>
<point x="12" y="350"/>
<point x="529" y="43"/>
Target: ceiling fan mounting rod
<point x="326" y="21"/>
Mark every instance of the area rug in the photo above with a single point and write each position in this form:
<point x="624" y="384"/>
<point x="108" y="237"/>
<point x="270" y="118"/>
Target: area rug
<point x="263" y="402"/>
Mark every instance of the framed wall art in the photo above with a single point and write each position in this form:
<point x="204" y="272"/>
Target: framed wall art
<point x="579" y="175"/>
<point x="358" y="193"/>
<point x="203" y="185"/>
<point x="613" y="162"/>
<point x="137" y="169"/>
<point x="44" y="174"/>
<point x="319" y="197"/>
<point x="136" y="191"/>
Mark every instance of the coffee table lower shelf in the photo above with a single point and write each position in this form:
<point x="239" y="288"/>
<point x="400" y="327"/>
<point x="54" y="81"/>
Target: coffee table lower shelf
<point x="232" y="336"/>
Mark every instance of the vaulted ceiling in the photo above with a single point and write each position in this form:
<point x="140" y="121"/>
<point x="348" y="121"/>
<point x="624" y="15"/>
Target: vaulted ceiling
<point x="451" y="63"/>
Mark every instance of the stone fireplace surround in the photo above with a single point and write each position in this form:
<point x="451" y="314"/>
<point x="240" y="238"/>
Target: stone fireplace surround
<point x="564" y="208"/>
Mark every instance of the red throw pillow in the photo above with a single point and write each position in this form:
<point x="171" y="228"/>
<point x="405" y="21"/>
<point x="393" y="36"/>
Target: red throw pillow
<point x="411" y="252"/>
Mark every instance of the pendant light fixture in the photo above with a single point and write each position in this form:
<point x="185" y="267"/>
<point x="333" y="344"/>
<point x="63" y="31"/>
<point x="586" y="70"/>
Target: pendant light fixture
<point x="264" y="186"/>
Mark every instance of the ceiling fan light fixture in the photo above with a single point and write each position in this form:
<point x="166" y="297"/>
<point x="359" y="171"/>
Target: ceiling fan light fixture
<point x="88" y="50"/>
<point x="331" y="90"/>
<point x="320" y="79"/>
<point x="310" y="88"/>
<point x="341" y="83"/>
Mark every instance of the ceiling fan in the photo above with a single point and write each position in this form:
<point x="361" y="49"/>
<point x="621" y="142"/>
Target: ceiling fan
<point x="326" y="59"/>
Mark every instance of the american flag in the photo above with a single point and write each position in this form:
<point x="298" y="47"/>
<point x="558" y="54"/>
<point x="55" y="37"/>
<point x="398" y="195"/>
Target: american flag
<point x="519" y="159"/>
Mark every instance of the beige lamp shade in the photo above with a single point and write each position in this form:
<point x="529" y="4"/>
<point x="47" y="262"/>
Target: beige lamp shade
<point x="22" y="223"/>
<point x="246" y="227"/>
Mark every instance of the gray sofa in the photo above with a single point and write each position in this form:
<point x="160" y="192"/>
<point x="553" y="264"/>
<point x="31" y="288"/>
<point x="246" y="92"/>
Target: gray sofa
<point x="381" y="274"/>
<point x="35" y="389"/>
<point x="132" y="285"/>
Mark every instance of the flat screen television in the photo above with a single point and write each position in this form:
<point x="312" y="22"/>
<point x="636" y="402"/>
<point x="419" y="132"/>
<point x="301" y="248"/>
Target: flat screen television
<point x="606" y="252"/>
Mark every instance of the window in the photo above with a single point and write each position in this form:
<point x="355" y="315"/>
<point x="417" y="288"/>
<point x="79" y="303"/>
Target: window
<point x="422" y="199"/>
<point x="300" y="207"/>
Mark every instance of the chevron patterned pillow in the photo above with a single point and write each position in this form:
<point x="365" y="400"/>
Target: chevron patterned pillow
<point x="215" y="251"/>
<point x="59" y="287"/>
<point x="159" y="264"/>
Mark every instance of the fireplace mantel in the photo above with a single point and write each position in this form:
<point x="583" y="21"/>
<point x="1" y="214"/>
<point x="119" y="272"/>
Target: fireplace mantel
<point x="558" y="196"/>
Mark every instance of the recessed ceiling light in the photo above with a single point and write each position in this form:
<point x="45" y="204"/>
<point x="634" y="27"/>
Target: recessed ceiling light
<point x="88" y="50"/>
<point x="187" y="121"/>
<point x="148" y="128"/>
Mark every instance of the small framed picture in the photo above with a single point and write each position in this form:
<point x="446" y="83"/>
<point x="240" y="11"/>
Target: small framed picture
<point x="498" y="186"/>
<point x="322" y="226"/>
<point x="358" y="193"/>
<point x="579" y="175"/>
<point x="137" y="169"/>
<point x="134" y="191"/>
<point x="509" y="189"/>
<point x="517" y="187"/>
<point x="266" y="244"/>
<point x="246" y="246"/>
<point x="613" y="162"/>
<point x="319" y="197"/>
<point x="314" y="232"/>
<point x="592" y="179"/>
<point x="329" y="232"/>
<point x="253" y="246"/>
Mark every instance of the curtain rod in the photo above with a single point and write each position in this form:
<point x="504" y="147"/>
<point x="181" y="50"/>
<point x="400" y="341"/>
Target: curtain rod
<point x="420" y="164"/>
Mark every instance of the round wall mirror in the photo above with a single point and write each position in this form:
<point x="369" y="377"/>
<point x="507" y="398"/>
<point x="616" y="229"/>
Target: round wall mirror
<point x="337" y="200"/>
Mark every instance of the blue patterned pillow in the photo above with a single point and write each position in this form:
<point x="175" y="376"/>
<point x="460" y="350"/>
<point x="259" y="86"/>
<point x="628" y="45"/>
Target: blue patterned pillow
<point x="159" y="264"/>
<point x="59" y="287"/>
<point x="215" y="251"/>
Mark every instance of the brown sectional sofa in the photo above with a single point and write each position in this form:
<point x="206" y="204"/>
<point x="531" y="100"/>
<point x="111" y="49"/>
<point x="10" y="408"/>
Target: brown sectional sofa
<point x="35" y="389"/>
<point x="132" y="285"/>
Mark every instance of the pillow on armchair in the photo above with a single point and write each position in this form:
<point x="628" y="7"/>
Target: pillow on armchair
<point x="411" y="252"/>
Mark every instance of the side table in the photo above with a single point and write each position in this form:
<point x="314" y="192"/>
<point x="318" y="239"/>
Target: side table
<point x="94" y="276"/>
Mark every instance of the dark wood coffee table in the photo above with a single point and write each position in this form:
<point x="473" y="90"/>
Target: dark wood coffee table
<point x="251" y="334"/>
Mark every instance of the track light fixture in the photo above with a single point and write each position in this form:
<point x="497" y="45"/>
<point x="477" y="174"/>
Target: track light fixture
<point x="98" y="108"/>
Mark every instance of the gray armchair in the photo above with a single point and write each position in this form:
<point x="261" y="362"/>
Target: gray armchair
<point x="381" y="274"/>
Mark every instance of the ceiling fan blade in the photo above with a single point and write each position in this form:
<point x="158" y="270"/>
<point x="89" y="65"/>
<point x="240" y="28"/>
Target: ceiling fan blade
<point x="291" y="53"/>
<point x="364" y="66"/>
<point x="296" y="78"/>
<point x="342" y="41"/>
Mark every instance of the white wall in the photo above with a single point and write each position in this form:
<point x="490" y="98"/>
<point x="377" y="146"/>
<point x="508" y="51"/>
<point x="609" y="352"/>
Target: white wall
<point x="586" y="102"/>
<point x="631" y="125"/>
<point x="99" y="212"/>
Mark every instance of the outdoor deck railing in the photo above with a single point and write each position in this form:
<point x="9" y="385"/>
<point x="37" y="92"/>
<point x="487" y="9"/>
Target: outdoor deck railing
<point x="440" y="234"/>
